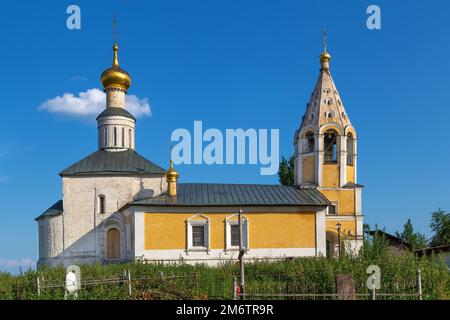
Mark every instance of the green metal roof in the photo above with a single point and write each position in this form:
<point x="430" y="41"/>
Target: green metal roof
<point x="201" y="194"/>
<point x="113" y="162"/>
<point x="109" y="112"/>
<point x="55" y="210"/>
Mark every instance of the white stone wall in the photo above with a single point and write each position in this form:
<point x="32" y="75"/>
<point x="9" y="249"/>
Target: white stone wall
<point x="115" y="98"/>
<point x="50" y="232"/>
<point x="82" y="229"/>
<point x="124" y="139"/>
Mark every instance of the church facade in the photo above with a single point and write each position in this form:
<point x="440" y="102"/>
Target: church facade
<point x="117" y="206"/>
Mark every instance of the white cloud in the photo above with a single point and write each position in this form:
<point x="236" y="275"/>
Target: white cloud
<point x="11" y="263"/>
<point x="90" y="103"/>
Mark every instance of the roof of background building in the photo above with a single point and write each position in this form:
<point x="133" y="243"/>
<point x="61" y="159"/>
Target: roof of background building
<point x="208" y="194"/>
<point x="55" y="210"/>
<point x="113" y="162"/>
<point x="391" y="238"/>
<point x="109" y="112"/>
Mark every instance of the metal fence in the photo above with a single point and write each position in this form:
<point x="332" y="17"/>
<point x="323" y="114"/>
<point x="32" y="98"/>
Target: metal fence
<point x="156" y="286"/>
<point x="282" y="287"/>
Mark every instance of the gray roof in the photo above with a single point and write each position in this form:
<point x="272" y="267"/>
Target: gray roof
<point x="351" y="185"/>
<point x="55" y="210"/>
<point x="109" y="112"/>
<point x="113" y="162"/>
<point x="202" y="194"/>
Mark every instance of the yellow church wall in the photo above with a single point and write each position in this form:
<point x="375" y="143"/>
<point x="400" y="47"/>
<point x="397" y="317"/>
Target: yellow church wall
<point x="330" y="176"/>
<point x="346" y="226"/>
<point x="308" y="168"/>
<point x="165" y="231"/>
<point x="345" y="199"/>
<point x="350" y="174"/>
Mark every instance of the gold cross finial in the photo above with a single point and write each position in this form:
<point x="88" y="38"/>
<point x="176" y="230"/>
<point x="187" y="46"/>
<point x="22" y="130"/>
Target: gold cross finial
<point x="171" y="147"/>
<point x="325" y="40"/>
<point x="115" y="29"/>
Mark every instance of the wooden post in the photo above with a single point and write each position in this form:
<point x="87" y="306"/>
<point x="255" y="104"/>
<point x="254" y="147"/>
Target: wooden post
<point x="129" y="282"/>
<point x="38" y="285"/>
<point x="235" y="286"/>
<point x="419" y="283"/>
<point x="196" y="279"/>
<point x="241" y="252"/>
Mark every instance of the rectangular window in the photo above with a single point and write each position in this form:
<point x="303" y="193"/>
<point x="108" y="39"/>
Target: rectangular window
<point x="198" y="236"/>
<point x="234" y="228"/>
<point x="101" y="204"/>
<point x="332" y="209"/>
<point x="232" y="240"/>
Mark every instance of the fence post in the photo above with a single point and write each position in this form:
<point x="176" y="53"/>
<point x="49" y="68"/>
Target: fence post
<point x="129" y="281"/>
<point x="235" y="288"/>
<point x="196" y="279"/>
<point x="38" y="285"/>
<point x="419" y="283"/>
<point x="162" y="277"/>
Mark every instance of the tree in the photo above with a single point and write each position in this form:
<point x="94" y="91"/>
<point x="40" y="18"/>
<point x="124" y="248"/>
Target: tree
<point x="416" y="239"/>
<point x="440" y="224"/>
<point x="286" y="171"/>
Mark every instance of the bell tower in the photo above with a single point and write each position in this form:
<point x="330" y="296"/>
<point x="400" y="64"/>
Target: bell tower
<point x="326" y="153"/>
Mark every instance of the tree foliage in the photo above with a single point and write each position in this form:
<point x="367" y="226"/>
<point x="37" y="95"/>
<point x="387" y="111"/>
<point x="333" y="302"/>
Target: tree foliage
<point x="440" y="224"/>
<point x="416" y="239"/>
<point x="286" y="171"/>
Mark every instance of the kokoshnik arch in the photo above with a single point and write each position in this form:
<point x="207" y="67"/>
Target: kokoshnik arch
<point x="117" y="206"/>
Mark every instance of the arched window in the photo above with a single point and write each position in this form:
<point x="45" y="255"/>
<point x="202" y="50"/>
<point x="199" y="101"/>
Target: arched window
<point x="310" y="141"/>
<point x="123" y="137"/>
<point x="115" y="136"/>
<point x="350" y="149"/>
<point x="330" y="146"/>
<point x="329" y="114"/>
<point x="113" y="244"/>
<point x="106" y="136"/>
<point x="101" y="204"/>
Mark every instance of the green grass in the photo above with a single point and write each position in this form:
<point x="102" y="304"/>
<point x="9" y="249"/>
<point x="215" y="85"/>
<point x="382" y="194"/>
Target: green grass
<point x="183" y="281"/>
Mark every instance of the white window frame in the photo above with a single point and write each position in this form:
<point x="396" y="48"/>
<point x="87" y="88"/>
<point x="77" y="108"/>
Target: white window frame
<point x="233" y="220"/>
<point x="195" y="221"/>
<point x="336" y="206"/>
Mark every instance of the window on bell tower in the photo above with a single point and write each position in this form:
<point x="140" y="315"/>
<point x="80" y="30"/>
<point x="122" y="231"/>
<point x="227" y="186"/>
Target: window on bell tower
<point x="310" y="141"/>
<point x="350" y="149"/>
<point x="330" y="146"/>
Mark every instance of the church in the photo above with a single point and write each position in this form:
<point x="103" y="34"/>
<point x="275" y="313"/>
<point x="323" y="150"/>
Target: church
<point x="117" y="206"/>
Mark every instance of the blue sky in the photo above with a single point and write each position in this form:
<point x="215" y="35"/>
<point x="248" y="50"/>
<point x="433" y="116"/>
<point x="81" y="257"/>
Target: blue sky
<point x="231" y="64"/>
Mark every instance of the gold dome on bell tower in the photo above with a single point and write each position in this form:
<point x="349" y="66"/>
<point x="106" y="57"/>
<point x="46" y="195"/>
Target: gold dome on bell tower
<point x="115" y="76"/>
<point x="325" y="57"/>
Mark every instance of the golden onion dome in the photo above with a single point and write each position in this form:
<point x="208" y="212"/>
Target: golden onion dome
<point x="172" y="174"/>
<point x="325" y="56"/>
<point x="116" y="77"/>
